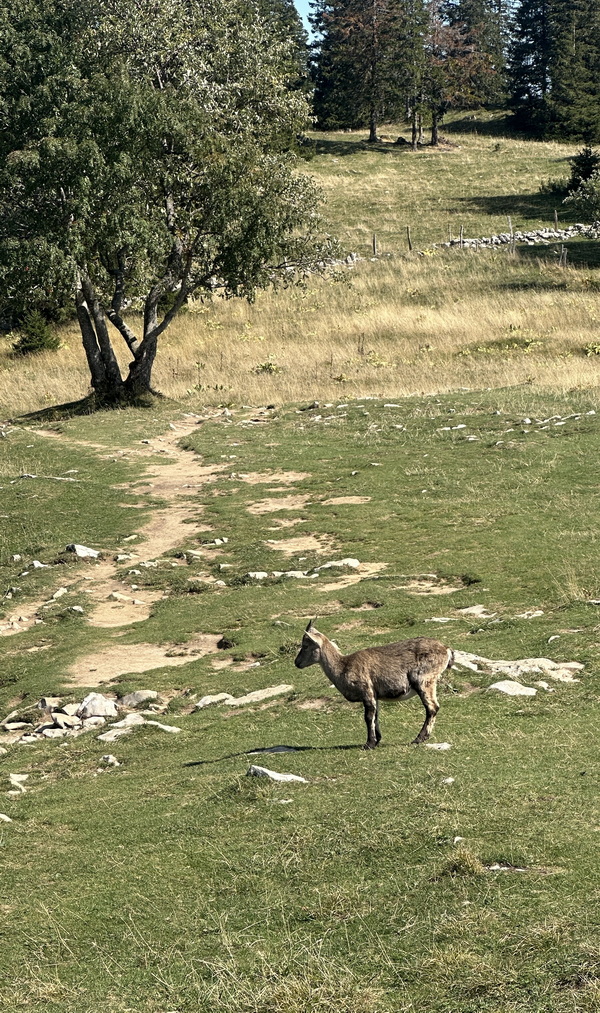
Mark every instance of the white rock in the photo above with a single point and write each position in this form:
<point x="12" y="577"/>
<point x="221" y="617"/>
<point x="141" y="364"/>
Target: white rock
<point x="254" y="771"/>
<point x="138" y="697"/>
<point x="17" y="782"/>
<point x="352" y="563"/>
<point x="39" y="566"/>
<point x="117" y="596"/>
<point x="82" y="551"/>
<point x="60" y="592"/>
<point x="559" y="671"/>
<point x="110" y="760"/>
<point x="164" y="728"/>
<point x="54" y="733"/>
<point x="77" y="608"/>
<point x="440" y="746"/>
<point x="207" y="701"/>
<point x="259" y="694"/>
<point x="544" y="685"/>
<point x="97" y="705"/>
<point x="530" y="614"/>
<point x="555" y="637"/>
<point x="477" y="610"/>
<point x="96" y="722"/>
<point x="5" y="818"/>
<point x="457" y="840"/>
<point x="68" y="708"/>
<point x="440" y="619"/>
<point x="511" y="688"/>
<point x="257" y="574"/>
<point x="130" y="721"/>
<point x="114" y="733"/>
<point x="448" y="780"/>
<point x="17" y="558"/>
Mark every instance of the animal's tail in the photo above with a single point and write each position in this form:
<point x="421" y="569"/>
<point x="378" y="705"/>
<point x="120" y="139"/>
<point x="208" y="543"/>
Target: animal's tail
<point x="450" y="658"/>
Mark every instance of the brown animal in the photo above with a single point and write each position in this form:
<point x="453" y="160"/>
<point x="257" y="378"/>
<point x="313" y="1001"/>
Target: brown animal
<point x="391" y="672"/>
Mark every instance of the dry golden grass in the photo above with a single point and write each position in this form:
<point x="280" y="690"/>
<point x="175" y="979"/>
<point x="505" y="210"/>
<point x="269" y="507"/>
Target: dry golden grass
<point x="402" y="325"/>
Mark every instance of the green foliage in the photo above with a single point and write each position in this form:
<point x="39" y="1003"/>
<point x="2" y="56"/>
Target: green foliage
<point x="584" y="165"/>
<point x="270" y="366"/>
<point x="36" y="335"/>
<point x="150" y="159"/>
<point x="586" y="199"/>
<point x="592" y="348"/>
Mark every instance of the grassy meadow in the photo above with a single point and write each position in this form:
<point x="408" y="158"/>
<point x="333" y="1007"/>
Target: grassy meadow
<point x="404" y="324"/>
<point x="455" y="453"/>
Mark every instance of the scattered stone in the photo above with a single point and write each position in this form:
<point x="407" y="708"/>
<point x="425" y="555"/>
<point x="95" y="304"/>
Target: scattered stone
<point x="54" y="733"/>
<point x="480" y="611"/>
<point x="207" y="701"/>
<point x="138" y="697"/>
<point x="257" y="574"/>
<point x="110" y="760"/>
<point x="77" y="608"/>
<point x="559" y="671"/>
<point x="82" y="551"/>
<point x="254" y="771"/>
<point x="39" y="566"/>
<point x="440" y="746"/>
<point x="16" y="726"/>
<point x="544" y="685"/>
<point x="513" y="688"/>
<point x="94" y="722"/>
<point x="4" y="818"/>
<point x="530" y="614"/>
<point x="17" y="782"/>
<point x="448" y="780"/>
<point x="69" y="708"/>
<point x="97" y="705"/>
<point x="59" y="593"/>
<point x="260" y="694"/>
<point x="17" y="557"/>
<point x="352" y="563"/>
<point x="117" y="596"/>
<point x="164" y="728"/>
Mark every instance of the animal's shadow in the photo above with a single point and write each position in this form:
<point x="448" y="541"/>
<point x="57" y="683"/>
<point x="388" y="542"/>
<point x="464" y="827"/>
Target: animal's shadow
<point x="271" y="751"/>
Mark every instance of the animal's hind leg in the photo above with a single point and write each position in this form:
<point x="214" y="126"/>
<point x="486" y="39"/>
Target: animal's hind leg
<point x="377" y="728"/>
<point x="371" y="723"/>
<point x="429" y="700"/>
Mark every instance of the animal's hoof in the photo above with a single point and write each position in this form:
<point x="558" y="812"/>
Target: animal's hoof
<point x="370" y="745"/>
<point x="417" y="742"/>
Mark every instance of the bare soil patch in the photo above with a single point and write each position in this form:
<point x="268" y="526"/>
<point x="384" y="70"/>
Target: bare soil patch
<point x="429" y="585"/>
<point x="268" y="477"/>
<point x="317" y="704"/>
<point x="366" y="569"/>
<point x="271" y="505"/>
<point x="349" y="500"/>
<point x="285" y="522"/>
<point x="301" y="543"/>
<point x="123" y="659"/>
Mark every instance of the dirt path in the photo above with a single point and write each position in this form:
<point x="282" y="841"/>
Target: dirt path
<point x="110" y="600"/>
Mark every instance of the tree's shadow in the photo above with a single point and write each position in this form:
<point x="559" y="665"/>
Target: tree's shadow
<point x="584" y="254"/>
<point x="529" y="205"/>
<point x="88" y="406"/>
<point x="331" y="146"/>
<point x="501" y="126"/>
<point x="272" y="751"/>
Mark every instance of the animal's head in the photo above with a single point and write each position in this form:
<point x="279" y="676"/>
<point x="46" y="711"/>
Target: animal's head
<point x="310" y="649"/>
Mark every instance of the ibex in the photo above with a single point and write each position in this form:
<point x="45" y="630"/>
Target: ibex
<point x="391" y="672"/>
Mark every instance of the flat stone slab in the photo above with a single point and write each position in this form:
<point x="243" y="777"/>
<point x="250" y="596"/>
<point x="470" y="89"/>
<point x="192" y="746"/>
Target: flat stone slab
<point x="274" y="775"/>
<point x="560" y="671"/>
<point x="240" y="701"/>
<point x="511" y="688"/>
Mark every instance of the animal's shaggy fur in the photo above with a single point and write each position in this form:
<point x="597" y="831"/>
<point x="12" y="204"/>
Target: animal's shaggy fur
<point x="392" y="672"/>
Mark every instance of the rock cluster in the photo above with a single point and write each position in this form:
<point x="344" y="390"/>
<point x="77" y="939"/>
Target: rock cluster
<point x="533" y="238"/>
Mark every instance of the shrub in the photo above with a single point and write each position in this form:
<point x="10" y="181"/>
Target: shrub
<point x="270" y="366"/>
<point x="586" y="199"/>
<point x="584" y="165"/>
<point x="36" y="335"/>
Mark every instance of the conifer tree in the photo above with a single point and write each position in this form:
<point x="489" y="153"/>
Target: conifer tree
<point x="530" y="63"/>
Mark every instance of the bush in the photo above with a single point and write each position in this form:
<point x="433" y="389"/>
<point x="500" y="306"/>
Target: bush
<point x="36" y="335"/>
<point x="584" y="165"/>
<point x="586" y="199"/>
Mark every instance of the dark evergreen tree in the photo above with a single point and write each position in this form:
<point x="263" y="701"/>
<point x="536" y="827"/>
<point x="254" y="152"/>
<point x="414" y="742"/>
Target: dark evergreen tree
<point x="575" y="70"/>
<point x="359" y="61"/>
<point x="530" y="63"/>
<point x="486" y="28"/>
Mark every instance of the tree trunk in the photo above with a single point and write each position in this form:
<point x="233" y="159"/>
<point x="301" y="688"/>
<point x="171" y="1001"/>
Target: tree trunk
<point x="415" y="129"/>
<point x="105" y="375"/>
<point x="373" y="138"/>
<point x="434" y="128"/>
<point x="140" y="370"/>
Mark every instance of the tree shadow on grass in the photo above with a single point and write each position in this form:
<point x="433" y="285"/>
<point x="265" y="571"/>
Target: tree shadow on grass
<point x="528" y="205"/>
<point x="333" y="146"/>
<point x="88" y="406"/>
<point x="584" y="253"/>
<point x="498" y="126"/>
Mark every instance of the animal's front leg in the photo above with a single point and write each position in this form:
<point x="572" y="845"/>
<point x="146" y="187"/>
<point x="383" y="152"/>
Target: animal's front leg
<point x="371" y="723"/>
<point x="431" y="705"/>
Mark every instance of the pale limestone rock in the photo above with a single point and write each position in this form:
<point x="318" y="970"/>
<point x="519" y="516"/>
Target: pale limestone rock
<point x="260" y="694"/>
<point x="274" y="775"/>
<point x="82" y="551"/>
<point x="97" y="705"/>
<point x="511" y="688"/>
<point x="442" y="747"/>
<point x="139" y="696"/>
<point x="207" y="701"/>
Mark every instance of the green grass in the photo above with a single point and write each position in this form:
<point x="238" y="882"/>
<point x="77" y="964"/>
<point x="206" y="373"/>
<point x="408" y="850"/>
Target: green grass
<point x="482" y="176"/>
<point x="175" y="883"/>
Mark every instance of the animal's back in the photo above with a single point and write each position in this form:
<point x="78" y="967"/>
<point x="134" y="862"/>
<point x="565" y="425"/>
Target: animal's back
<point x="394" y="669"/>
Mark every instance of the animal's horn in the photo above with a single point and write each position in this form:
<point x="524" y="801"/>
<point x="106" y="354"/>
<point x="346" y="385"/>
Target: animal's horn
<point x="309" y="627"/>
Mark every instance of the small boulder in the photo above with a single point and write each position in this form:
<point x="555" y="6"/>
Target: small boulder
<point x="110" y="760"/>
<point x="96" y="705"/>
<point x="207" y="701"/>
<point x="82" y="551"/>
<point x="511" y="688"/>
<point x="273" y="775"/>
<point x="138" y="697"/>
